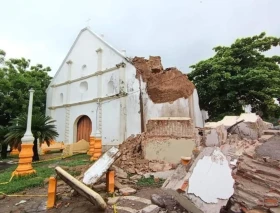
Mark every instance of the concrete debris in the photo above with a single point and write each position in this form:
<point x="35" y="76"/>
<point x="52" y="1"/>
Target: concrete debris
<point x="257" y="179"/>
<point x="249" y="125"/>
<point x="212" y="174"/>
<point x="215" y="134"/>
<point x="100" y="167"/>
<point x="160" y="88"/>
<point x="120" y="173"/>
<point x="127" y="191"/>
<point x="211" y="168"/>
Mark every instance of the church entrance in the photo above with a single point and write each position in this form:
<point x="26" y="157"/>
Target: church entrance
<point x="84" y="127"/>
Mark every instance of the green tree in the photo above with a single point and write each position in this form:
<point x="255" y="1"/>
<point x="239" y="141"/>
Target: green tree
<point x="42" y="127"/>
<point x="239" y="75"/>
<point x="4" y="146"/>
<point x="17" y="76"/>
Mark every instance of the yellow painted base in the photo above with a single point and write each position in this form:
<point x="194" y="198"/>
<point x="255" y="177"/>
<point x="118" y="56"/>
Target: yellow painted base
<point x="97" y="149"/>
<point x="91" y="146"/>
<point x="25" y="161"/>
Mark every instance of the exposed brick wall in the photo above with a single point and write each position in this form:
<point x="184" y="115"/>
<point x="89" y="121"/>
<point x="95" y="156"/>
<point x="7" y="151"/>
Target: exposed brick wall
<point x="177" y="127"/>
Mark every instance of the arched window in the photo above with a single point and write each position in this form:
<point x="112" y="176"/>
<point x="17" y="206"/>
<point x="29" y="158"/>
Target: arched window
<point x="83" y="87"/>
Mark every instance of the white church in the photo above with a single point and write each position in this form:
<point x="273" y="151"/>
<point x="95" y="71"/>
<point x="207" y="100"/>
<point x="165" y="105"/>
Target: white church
<point x="95" y="90"/>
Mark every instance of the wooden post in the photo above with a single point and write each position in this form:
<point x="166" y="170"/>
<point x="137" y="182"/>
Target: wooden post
<point x="51" y="193"/>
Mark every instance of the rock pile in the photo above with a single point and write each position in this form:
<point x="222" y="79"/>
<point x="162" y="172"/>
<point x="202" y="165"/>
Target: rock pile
<point x="132" y="159"/>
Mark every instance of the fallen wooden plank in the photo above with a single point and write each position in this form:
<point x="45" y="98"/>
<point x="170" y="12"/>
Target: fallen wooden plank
<point x="100" y="167"/>
<point x="82" y="189"/>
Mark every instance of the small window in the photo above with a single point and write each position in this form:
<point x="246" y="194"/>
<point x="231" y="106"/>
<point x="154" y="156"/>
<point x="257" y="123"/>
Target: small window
<point x="83" y="86"/>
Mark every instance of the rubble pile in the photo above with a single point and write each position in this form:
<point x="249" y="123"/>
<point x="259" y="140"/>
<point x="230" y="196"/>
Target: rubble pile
<point x="162" y="85"/>
<point x="257" y="179"/>
<point x="132" y="160"/>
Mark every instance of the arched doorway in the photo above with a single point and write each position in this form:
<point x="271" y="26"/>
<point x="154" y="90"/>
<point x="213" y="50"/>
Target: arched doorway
<point x="84" y="128"/>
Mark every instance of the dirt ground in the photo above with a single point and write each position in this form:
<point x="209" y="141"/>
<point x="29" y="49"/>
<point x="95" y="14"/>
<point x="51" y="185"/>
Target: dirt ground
<point x="67" y="204"/>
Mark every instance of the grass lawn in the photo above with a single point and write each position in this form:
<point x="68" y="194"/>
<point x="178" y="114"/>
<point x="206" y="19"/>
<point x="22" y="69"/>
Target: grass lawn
<point x="43" y="170"/>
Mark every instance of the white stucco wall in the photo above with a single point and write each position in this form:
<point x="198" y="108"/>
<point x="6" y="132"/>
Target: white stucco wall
<point x="111" y="122"/>
<point x="59" y="117"/>
<point x="85" y="62"/>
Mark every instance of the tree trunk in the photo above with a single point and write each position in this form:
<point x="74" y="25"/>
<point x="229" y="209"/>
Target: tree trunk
<point x="35" y="151"/>
<point x="4" y="151"/>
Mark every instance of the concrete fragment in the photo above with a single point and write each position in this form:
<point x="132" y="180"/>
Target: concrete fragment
<point x="215" y="134"/>
<point x="150" y="209"/>
<point x="212" y="174"/>
<point x="127" y="191"/>
<point x="98" y="169"/>
<point x="82" y="189"/>
<point x="120" y="173"/>
<point x="179" y="182"/>
<point x="112" y="200"/>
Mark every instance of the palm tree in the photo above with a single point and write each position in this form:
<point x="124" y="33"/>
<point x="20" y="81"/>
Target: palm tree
<point x="4" y="146"/>
<point x="42" y="127"/>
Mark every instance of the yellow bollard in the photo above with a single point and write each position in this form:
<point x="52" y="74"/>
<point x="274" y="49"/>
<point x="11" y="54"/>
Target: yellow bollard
<point x="51" y="193"/>
<point x="25" y="161"/>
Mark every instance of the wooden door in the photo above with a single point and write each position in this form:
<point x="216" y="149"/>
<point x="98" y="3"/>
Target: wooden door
<point x="84" y="128"/>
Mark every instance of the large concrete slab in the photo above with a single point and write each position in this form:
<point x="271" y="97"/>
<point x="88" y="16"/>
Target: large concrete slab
<point x="82" y="189"/>
<point x="98" y="169"/>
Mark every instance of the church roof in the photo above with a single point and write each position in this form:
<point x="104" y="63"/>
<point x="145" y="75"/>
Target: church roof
<point x="73" y="45"/>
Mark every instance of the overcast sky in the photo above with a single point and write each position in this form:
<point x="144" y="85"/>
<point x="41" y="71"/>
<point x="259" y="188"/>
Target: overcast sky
<point x="182" y="32"/>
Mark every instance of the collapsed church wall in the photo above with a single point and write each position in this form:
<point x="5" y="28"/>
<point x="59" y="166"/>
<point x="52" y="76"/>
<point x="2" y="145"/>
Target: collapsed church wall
<point x="166" y="92"/>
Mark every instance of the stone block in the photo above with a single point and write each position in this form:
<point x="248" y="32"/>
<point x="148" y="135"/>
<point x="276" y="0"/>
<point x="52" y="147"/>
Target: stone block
<point x="112" y="200"/>
<point x="127" y="191"/>
<point x="150" y="209"/>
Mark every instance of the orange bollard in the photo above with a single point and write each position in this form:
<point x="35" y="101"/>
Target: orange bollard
<point x="97" y="149"/>
<point x="51" y="193"/>
<point x="91" y="145"/>
<point x="110" y="181"/>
